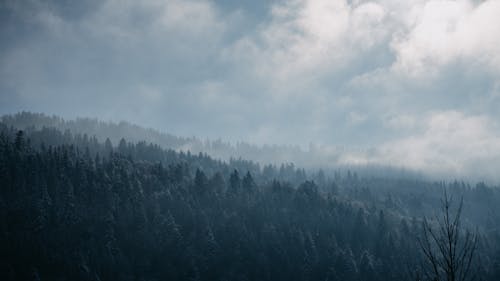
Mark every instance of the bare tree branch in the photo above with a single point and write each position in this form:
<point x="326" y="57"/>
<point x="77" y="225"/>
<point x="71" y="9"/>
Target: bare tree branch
<point x="450" y="251"/>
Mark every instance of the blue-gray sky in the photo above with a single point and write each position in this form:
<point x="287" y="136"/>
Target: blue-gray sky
<point x="418" y="81"/>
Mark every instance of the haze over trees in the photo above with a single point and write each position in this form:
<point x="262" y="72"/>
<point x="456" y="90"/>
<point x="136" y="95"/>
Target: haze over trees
<point x="75" y="207"/>
<point x="312" y="158"/>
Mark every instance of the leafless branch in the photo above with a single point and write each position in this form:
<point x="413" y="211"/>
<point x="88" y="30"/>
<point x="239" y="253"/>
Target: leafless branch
<point x="448" y="251"/>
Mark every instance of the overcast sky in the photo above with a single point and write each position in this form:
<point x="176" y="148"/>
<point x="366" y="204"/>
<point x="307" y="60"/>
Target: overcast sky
<point x="418" y="81"/>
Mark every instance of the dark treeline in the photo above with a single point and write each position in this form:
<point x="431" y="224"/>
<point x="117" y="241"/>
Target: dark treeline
<point x="116" y="131"/>
<point x="314" y="157"/>
<point x="75" y="208"/>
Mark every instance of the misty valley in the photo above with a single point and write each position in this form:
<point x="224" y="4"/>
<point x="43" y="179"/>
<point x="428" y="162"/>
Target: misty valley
<point x="91" y="200"/>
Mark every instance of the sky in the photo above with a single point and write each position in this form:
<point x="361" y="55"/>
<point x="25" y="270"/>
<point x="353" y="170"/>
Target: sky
<point x="414" y="83"/>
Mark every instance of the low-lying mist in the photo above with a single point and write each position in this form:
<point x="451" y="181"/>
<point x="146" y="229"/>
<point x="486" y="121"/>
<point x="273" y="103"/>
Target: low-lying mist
<point x="423" y="157"/>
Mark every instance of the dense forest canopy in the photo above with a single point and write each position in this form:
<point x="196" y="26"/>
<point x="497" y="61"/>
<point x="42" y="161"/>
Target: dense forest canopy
<point x="75" y="207"/>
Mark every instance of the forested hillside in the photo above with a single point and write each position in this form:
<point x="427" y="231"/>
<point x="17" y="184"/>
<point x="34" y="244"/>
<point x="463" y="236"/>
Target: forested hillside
<point x="265" y="140"/>
<point x="75" y="208"/>
<point x="314" y="157"/>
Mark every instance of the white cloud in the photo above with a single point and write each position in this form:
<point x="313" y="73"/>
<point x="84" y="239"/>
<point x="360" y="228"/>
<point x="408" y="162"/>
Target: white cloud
<point x="311" y="39"/>
<point x="449" y="31"/>
<point x="447" y="145"/>
<point x="306" y="39"/>
<point x="450" y="144"/>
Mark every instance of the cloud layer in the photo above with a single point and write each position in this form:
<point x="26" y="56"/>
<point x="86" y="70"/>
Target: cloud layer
<point x="416" y="80"/>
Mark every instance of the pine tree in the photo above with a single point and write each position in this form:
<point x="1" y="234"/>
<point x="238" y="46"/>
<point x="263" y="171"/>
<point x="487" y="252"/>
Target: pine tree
<point x="234" y="181"/>
<point x="248" y="184"/>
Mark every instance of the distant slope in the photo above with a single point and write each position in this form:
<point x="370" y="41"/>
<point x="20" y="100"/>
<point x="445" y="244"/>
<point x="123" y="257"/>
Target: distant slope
<point x="313" y="158"/>
<point x="100" y="129"/>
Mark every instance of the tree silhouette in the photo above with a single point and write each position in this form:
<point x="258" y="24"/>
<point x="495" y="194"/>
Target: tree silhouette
<point x="449" y="250"/>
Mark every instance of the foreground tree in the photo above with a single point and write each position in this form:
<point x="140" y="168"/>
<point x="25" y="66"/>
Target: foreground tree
<point x="448" y="250"/>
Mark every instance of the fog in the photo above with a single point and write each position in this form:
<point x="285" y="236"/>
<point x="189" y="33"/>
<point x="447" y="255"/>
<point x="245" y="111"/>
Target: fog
<point x="410" y="84"/>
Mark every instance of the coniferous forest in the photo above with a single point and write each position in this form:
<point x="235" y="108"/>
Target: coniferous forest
<point x="79" y="207"/>
<point x="263" y="140"/>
